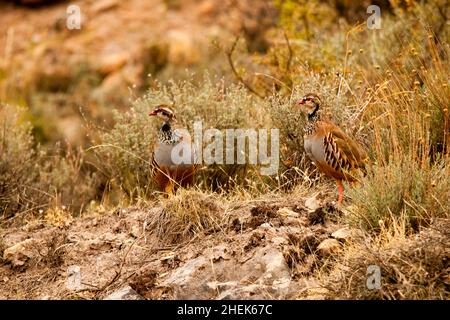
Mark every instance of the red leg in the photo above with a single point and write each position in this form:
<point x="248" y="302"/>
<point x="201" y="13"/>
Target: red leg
<point x="340" y="190"/>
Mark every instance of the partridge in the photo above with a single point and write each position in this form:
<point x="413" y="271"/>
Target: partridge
<point x="169" y="169"/>
<point x="329" y="148"/>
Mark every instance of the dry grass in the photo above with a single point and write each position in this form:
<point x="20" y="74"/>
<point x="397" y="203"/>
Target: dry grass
<point x="2" y="249"/>
<point x="401" y="192"/>
<point x="389" y="89"/>
<point x="188" y="214"/>
<point x="32" y="178"/>
<point x="411" y="267"/>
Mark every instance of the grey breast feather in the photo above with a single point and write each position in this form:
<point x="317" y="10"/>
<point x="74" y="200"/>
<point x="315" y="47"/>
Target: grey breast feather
<point x="183" y="155"/>
<point x="314" y="149"/>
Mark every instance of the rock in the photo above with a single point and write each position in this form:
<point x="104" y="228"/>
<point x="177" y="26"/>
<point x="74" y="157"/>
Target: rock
<point x="220" y="252"/>
<point x="343" y="233"/>
<point x="276" y="269"/>
<point x="288" y="213"/>
<point x="183" y="275"/>
<point x="265" y="226"/>
<point x="206" y="8"/>
<point x="135" y="231"/>
<point x="113" y="62"/>
<point x="328" y="246"/>
<point x="73" y="281"/>
<point x="125" y="293"/>
<point x="183" y="49"/>
<point x="246" y="292"/>
<point x="312" y="203"/>
<point x="20" y="253"/>
<point x="265" y="274"/>
<point x="278" y="241"/>
<point x="221" y="286"/>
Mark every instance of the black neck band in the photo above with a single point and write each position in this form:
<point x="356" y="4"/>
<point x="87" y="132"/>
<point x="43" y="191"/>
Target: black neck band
<point x="314" y="113"/>
<point x="166" y="127"/>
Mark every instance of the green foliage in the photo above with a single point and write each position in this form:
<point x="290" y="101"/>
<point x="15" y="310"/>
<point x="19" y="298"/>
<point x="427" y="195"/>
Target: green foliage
<point x="32" y="179"/>
<point x="124" y="153"/>
<point x="402" y="192"/>
<point x="18" y="169"/>
<point x="303" y="18"/>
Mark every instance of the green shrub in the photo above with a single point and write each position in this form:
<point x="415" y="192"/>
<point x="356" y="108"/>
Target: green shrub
<point x="32" y="179"/>
<point x="124" y="153"/>
<point x="401" y="192"/>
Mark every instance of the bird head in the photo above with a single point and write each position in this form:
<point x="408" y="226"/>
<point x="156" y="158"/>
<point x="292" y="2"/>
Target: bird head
<point x="309" y="104"/>
<point x="164" y="112"/>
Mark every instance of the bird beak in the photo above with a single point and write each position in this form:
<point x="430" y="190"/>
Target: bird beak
<point x="153" y="113"/>
<point x="301" y="102"/>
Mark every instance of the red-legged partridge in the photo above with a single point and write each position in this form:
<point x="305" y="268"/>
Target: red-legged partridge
<point x="169" y="170"/>
<point x="332" y="151"/>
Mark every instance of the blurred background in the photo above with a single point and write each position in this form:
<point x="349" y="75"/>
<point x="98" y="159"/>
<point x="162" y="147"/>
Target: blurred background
<point x="71" y="90"/>
<point x="123" y="48"/>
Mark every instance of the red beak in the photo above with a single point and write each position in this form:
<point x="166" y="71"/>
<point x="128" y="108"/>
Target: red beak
<point x="301" y="101"/>
<point x="153" y="113"/>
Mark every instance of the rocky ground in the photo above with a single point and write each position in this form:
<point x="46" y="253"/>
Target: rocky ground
<point x="263" y="250"/>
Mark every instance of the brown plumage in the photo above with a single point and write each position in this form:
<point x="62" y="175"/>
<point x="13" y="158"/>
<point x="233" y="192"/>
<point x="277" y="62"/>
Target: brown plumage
<point x="331" y="149"/>
<point x="167" y="170"/>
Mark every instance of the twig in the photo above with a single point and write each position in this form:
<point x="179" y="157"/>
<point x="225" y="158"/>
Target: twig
<point x="273" y="78"/>
<point x="233" y="69"/>
<point x="291" y="52"/>
<point x="114" y="279"/>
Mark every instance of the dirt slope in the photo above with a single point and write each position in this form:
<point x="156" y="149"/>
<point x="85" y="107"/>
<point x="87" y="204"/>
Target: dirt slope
<point x="253" y="254"/>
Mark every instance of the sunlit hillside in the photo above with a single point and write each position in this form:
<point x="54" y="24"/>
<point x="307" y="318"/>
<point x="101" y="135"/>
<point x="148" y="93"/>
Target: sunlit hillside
<point x="87" y="88"/>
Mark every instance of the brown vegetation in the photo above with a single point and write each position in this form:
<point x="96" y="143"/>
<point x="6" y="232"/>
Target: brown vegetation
<point x="75" y="146"/>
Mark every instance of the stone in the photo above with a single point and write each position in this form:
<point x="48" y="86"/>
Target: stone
<point x="206" y="8"/>
<point x="242" y="292"/>
<point x="265" y="226"/>
<point x="113" y="62"/>
<point x="135" y="231"/>
<point x="288" y="213"/>
<point x="312" y="203"/>
<point x="125" y="293"/>
<point x="343" y="233"/>
<point x="328" y="246"/>
<point x="265" y="274"/>
<point x="183" y="275"/>
<point x="275" y="266"/>
<point x="20" y="253"/>
<point x="183" y="49"/>
<point x="278" y="241"/>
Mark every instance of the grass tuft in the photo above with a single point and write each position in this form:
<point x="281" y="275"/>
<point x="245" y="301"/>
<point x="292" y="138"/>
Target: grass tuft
<point x="188" y="214"/>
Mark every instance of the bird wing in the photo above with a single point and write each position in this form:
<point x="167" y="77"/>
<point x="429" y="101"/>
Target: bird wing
<point x="342" y="153"/>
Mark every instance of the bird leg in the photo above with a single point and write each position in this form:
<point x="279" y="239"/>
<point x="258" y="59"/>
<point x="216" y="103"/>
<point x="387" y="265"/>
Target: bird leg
<point x="340" y="190"/>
